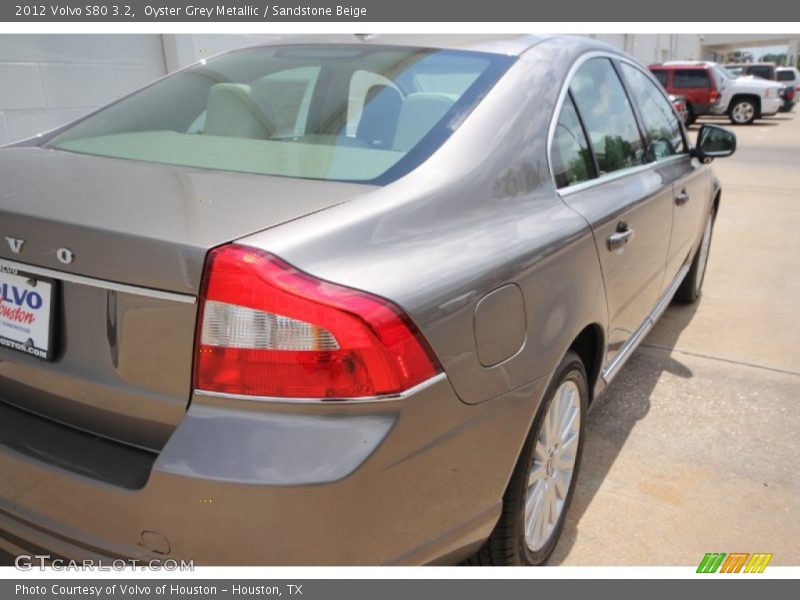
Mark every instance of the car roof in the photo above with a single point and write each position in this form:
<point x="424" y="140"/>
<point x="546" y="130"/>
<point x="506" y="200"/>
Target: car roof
<point x="683" y="64"/>
<point x="507" y="44"/>
<point x="499" y="44"/>
<point x="751" y="64"/>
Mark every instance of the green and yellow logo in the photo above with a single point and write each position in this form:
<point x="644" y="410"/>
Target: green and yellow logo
<point x="735" y="562"/>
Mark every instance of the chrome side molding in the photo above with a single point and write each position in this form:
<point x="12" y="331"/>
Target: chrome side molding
<point x="612" y="368"/>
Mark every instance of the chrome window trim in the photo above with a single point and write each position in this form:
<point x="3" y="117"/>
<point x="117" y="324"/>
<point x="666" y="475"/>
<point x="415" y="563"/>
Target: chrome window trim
<point x="98" y="283"/>
<point x="620" y="174"/>
<point x="614" y="175"/>
<point x="327" y="401"/>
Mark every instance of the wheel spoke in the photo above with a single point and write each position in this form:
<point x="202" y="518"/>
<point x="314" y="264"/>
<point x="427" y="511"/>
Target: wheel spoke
<point x="562" y="480"/>
<point x="569" y="424"/>
<point x="552" y="514"/>
<point x="544" y="521"/>
<point x="549" y="429"/>
<point x="540" y="453"/>
<point x="538" y="517"/>
<point x="569" y="445"/>
<point x="538" y="473"/>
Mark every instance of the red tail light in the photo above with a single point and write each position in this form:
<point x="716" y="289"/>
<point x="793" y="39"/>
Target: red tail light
<point x="713" y="95"/>
<point x="267" y="329"/>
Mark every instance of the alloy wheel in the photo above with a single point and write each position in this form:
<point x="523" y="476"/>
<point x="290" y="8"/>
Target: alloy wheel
<point x="553" y="465"/>
<point x="743" y="112"/>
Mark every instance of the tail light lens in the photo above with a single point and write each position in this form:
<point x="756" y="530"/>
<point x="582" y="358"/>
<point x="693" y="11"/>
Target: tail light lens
<point x="267" y="329"/>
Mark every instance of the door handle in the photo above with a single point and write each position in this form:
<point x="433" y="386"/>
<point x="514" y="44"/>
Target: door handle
<point x="617" y="241"/>
<point x="682" y="198"/>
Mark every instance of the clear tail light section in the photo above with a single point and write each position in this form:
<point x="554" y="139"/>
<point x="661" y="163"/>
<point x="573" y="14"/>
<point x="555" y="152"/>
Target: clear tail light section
<point x="268" y="329"/>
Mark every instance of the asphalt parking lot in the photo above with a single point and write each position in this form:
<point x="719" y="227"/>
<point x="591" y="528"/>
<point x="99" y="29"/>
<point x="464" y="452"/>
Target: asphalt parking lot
<point x="694" y="448"/>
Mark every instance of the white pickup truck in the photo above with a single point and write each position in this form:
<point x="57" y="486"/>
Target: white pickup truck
<point x="745" y="98"/>
<point x="712" y="89"/>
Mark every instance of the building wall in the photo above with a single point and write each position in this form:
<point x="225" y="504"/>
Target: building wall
<point x="650" y="48"/>
<point x="47" y="80"/>
<point x="183" y="50"/>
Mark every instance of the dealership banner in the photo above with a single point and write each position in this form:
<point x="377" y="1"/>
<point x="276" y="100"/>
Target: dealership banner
<point x="385" y="589"/>
<point x="47" y="11"/>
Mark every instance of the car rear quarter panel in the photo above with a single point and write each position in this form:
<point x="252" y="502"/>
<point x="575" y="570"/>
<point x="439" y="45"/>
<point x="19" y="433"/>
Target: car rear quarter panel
<point x="482" y="212"/>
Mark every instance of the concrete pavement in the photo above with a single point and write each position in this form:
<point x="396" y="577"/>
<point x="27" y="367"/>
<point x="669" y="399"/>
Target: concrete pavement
<point x="695" y="448"/>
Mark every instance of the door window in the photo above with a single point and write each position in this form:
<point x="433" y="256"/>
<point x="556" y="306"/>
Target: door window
<point x="607" y="115"/>
<point x="660" y="121"/>
<point x="572" y="160"/>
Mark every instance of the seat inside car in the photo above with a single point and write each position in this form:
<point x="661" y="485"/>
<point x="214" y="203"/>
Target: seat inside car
<point x="380" y="116"/>
<point x="232" y="112"/>
<point x="419" y="113"/>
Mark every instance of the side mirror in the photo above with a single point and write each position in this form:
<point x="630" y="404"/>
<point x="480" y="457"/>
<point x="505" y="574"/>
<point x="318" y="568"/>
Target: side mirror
<point x="714" y="142"/>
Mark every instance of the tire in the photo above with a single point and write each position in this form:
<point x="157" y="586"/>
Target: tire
<point x="690" y="117"/>
<point x="508" y="543"/>
<point x="743" y="111"/>
<point x="691" y="287"/>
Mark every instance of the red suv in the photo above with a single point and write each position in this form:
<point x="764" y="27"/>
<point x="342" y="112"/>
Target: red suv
<point x="693" y="81"/>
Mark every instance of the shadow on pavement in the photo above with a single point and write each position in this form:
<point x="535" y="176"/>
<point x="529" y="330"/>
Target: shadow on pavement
<point x="615" y="413"/>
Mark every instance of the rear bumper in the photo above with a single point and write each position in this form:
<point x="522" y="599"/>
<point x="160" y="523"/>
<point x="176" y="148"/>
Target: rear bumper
<point x="703" y="108"/>
<point x="408" y="481"/>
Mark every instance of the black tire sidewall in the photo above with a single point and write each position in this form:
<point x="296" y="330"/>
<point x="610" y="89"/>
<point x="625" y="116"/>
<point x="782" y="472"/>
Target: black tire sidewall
<point x="570" y="368"/>
<point x="698" y="286"/>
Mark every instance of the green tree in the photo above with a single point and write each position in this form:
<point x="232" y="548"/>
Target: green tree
<point x="778" y="59"/>
<point x="739" y="56"/>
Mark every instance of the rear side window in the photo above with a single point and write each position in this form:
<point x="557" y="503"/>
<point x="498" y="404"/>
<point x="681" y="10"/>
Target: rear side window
<point x="660" y="120"/>
<point x="762" y="72"/>
<point x="570" y="155"/>
<point x="785" y="76"/>
<point x="607" y="116"/>
<point x="662" y="76"/>
<point x="690" y="78"/>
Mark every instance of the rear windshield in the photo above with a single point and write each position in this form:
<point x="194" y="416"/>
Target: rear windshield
<point x="334" y="112"/>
